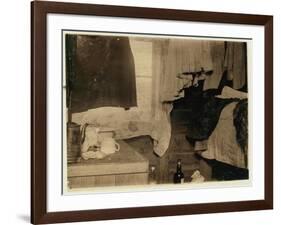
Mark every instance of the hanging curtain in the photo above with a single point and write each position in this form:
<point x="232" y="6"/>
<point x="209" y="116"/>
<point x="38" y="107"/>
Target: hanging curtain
<point x="236" y="63"/>
<point x="161" y="129"/>
<point x="70" y="53"/>
<point x="217" y="50"/>
<point x="183" y="56"/>
<point x="172" y="57"/>
<point x="104" y="73"/>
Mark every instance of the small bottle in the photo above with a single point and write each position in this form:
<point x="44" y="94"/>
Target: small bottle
<point x="179" y="176"/>
<point x="152" y="175"/>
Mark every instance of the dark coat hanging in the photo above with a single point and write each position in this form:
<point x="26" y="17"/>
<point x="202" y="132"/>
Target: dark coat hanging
<point x="104" y="73"/>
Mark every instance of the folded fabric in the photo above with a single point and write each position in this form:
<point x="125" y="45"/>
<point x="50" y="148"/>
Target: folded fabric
<point x="228" y="92"/>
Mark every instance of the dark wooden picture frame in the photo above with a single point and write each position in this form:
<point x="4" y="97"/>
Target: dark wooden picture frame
<point x="39" y="11"/>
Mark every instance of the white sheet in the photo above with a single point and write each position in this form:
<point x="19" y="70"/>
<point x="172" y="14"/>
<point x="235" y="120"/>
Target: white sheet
<point x="128" y="124"/>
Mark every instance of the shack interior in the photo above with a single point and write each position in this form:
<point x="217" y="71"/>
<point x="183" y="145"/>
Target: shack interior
<point x="161" y="99"/>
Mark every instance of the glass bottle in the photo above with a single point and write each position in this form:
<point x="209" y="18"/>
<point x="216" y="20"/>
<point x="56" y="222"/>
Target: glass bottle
<point x="152" y="175"/>
<point x="179" y="176"/>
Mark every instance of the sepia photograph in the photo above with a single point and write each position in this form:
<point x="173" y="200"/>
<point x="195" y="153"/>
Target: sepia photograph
<point x="141" y="112"/>
<point x="146" y="111"/>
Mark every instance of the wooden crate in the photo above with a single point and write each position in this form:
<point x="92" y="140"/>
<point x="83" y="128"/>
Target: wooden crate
<point x="126" y="167"/>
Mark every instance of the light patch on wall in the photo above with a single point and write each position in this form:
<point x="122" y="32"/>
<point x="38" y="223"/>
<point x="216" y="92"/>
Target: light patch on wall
<point x="142" y="52"/>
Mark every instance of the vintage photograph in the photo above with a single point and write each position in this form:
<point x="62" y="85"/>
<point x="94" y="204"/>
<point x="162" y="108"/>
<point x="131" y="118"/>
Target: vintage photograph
<point x="143" y="110"/>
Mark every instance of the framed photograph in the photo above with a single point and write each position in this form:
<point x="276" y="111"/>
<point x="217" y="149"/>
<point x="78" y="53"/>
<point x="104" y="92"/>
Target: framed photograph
<point x="144" y="112"/>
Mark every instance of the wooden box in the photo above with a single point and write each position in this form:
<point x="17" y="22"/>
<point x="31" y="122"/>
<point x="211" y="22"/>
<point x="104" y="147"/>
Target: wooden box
<point x="126" y="167"/>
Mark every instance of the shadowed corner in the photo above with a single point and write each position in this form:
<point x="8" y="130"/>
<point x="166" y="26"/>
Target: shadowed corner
<point x="25" y="218"/>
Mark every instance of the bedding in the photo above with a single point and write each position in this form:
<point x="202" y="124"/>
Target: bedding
<point x="228" y="142"/>
<point x="128" y="124"/>
<point x="200" y="110"/>
<point x="222" y="145"/>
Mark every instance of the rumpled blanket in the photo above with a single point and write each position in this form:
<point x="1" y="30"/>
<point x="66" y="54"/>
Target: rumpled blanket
<point x="222" y="145"/>
<point x="228" y="142"/>
<point x="128" y="124"/>
<point x="240" y="120"/>
<point x="200" y="115"/>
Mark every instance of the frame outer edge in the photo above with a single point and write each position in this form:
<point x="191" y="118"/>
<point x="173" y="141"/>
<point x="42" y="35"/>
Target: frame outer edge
<point x="32" y="209"/>
<point x="38" y="113"/>
<point x="39" y="10"/>
<point x="32" y="200"/>
<point x="269" y="113"/>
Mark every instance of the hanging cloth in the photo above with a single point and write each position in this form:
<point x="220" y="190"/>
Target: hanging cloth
<point x="183" y="56"/>
<point x="104" y="73"/>
<point x="236" y="63"/>
<point x="218" y="58"/>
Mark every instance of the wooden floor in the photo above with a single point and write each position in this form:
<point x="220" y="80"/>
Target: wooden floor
<point x="166" y="165"/>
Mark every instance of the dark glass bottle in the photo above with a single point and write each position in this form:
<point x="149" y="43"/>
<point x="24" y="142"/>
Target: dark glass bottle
<point x="179" y="176"/>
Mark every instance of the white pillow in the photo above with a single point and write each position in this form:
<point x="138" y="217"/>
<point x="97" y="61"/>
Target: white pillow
<point x="228" y="92"/>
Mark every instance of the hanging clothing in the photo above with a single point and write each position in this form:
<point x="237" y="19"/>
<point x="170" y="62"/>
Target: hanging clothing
<point x="183" y="56"/>
<point x="218" y="59"/>
<point x="236" y="63"/>
<point x="104" y="73"/>
<point x="172" y="57"/>
<point x="160" y="111"/>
